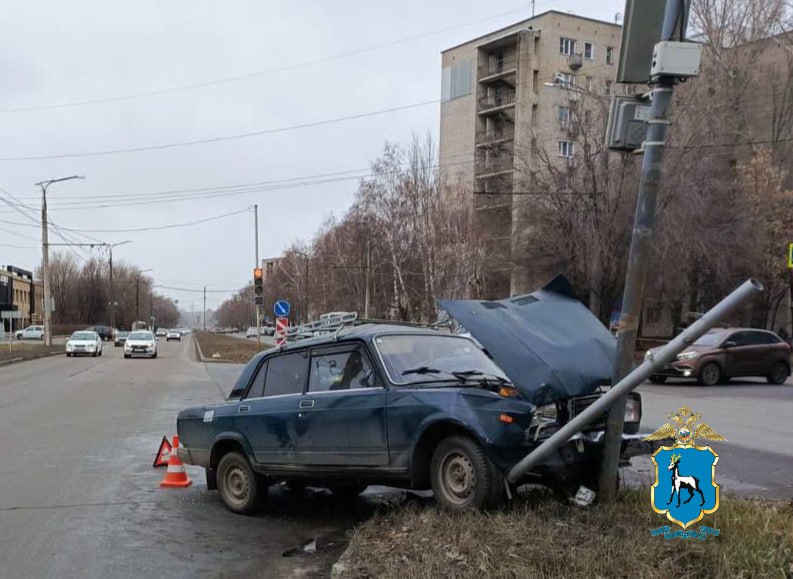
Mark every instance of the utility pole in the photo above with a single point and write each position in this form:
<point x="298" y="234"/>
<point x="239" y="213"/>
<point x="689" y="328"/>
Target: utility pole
<point x="368" y="266"/>
<point x="205" y="308"/>
<point x="45" y="255"/>
<point x="256" y="299"/>
<point x="110" y="247"/>
<point x="137" y="293"/>
<point x="641" y="240"/>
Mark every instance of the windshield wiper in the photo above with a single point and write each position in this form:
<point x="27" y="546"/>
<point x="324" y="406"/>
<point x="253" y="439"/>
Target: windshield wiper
<point x="425" y="370"/>
<point x="485" y="377"/>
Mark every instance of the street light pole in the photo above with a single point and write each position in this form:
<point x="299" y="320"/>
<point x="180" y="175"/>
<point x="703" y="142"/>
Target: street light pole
<point x="110" y="247"/>
<point x="45" y="255"/>
<point x="256" y="298"/>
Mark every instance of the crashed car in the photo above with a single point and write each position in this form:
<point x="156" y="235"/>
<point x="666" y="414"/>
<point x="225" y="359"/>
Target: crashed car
<point x="416" y="408"/>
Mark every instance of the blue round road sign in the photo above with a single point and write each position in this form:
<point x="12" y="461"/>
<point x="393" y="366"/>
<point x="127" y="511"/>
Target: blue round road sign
<point x="281" y="308"/>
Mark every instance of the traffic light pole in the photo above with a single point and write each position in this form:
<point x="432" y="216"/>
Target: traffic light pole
<point x="258" y="265"/>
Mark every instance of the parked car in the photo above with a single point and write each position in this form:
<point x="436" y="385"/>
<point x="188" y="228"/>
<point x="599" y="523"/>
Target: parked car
<point x="107" y="333"/>
<point x="31" y="333"/>
<point x="121" y="337"/>
<point x="415" y="408"/>
<point x="268" y="330"/>
<point x="142" y="343"/>
<point x="173" y="334"/>
<point x="721" y="354"/>
<point x="250" y="332"/>
<point x="161" y="333"/>
<point x="84" y="342"/>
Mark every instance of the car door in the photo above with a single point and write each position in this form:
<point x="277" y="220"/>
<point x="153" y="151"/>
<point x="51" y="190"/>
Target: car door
<point x="741" y="356"/>
<point x="342" y="418"/>
<point x="267" y="415"/>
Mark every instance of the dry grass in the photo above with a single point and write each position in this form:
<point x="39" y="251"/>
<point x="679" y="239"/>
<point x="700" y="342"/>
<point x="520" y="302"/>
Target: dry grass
<point x="539" y="537"/>
<point x="27" y="350"/>
<point x="229" y="348"/>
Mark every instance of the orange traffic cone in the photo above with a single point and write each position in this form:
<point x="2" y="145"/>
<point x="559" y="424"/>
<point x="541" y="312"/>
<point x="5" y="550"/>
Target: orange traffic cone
<point x="175" y="475"/>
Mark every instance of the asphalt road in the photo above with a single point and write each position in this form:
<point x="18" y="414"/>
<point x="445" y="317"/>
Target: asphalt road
<point x="754" y="416"/>
<point x="79" y="497"/>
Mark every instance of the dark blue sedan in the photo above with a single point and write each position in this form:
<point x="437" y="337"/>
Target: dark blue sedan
<point x="409" y="407"/>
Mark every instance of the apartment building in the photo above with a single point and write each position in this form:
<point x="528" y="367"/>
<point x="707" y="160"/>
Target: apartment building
<point x="269" y="265"/>
<point x="507" y="100"/>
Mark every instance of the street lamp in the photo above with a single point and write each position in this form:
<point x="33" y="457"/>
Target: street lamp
<point x="137" y="292"/>
<point x="110" y="247"/>
<point x="45" y="254"/>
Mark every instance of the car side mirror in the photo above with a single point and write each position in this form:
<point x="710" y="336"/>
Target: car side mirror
<point x="729" y="344"/>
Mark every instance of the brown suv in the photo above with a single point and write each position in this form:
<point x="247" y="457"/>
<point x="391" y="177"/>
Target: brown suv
<point x="729" y="353"/>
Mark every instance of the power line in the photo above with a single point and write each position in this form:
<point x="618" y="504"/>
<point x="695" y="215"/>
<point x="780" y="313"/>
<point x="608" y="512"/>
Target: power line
<point x="255" y="74"/>
<point x="221" y="138"/>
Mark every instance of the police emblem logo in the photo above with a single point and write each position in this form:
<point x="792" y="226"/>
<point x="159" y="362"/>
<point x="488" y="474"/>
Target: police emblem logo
<point x="685" y="488"/>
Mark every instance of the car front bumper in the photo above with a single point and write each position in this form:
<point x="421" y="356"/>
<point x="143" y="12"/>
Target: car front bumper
<point x="677" y="370"/>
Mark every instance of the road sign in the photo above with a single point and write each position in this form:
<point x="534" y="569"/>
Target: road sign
<point x="281" y="327"/>
<point x="11" y="314"/>
<point x="281" y="308"/>
<point x="790" y="255"/>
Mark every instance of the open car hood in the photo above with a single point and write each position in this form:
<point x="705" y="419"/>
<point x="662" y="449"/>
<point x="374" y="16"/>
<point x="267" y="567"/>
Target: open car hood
<point x="548" y="343"/>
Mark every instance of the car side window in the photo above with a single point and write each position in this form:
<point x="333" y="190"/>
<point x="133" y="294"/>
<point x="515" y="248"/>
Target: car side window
<point x="286" y="374"/>
<point x="340" y="371"/>
<point x="257" y="387"/>
<point x="740" y="338"/>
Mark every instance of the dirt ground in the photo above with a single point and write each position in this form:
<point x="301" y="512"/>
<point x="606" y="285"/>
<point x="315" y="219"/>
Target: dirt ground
<point x="229" y="348"/>
<point x="540" y="537"/>
<point x="18" y="351"/>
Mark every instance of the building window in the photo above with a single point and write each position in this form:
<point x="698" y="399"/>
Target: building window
<point x="565" y="79"/>
<point x="564" y="118"/>
<point x="609" y="55"/>
<point x="566" y="46"/>
<point x="589" y="83"/>
<point x="566" y="149"/>
<point x="608" y="87"/>
<point x="496" y="63"/>
<point x="456" y="80"/>
<point x="589" y="50"/>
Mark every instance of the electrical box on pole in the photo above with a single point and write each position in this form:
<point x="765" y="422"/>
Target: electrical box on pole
<point x="627" y="123"/>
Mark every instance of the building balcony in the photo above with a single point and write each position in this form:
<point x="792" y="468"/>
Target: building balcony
<point x="501" y="170"/>
<point x="575" y="61"/>
<point x="492" y="104"/>
<point x="501" y="70"/>
<point x="497" y="137"/>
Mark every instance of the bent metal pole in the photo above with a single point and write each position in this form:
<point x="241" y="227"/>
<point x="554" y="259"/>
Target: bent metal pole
<point x="749" y="288"/>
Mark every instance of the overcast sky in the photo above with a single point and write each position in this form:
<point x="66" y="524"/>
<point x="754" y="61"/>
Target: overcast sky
<point x="62" y="53"/>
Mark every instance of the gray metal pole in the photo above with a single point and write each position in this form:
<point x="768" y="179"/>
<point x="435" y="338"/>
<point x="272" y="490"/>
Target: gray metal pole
<point x="205" y="308"/>
<point x="636" y="275"/>
<point x="745" y="291"/>
<point x="258" y="264"/>
<point x="45" y="268"/>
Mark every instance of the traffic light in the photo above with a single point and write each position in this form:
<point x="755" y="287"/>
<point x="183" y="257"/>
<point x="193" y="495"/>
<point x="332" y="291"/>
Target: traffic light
<point x="258" y="280"/>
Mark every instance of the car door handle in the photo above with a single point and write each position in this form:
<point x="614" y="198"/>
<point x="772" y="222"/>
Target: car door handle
<point x="245" y="408"/>
<point x="306" y="404"/>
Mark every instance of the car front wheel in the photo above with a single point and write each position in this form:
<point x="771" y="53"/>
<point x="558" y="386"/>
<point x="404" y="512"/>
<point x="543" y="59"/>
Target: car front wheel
<point x="710" y="375"/>
<point x="778" y="374"/>
<point x="241" y="490"/>
<point x="463" y="477"/>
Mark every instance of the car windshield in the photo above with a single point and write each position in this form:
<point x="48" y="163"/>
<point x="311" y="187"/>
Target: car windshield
<point x="415" y="358"/>
<point x="83" y="336"/>
<point x="140" y="336"/>
<point x="709" y="339"/>
<point x="122" y="334"/>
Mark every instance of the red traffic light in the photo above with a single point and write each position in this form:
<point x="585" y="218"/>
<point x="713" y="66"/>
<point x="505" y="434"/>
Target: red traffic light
<point x="258" y="273"/>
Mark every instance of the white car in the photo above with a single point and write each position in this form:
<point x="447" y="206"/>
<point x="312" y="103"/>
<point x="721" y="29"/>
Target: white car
<point x="173" y="335"/>
<point x="251" y="332"/>
<point x="84" y="342"/>
<point x="140" y="343"/>
<point x="31" y="333"/>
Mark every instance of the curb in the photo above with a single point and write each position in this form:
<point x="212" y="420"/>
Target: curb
<point x="23" y="359"/>
<point x="207" y="360"/>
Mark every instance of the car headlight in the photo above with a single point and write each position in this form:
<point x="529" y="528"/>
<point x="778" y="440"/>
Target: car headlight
<point x="69" y="346"/>
<point x="688" y="355"/>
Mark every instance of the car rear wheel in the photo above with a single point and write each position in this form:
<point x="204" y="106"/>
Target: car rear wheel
<point x="126" y="355"/>
<point x="656" y="379"/>
<point x="778" y="374"/>
<point x="241" y="489"/>
<point x="463" y="477"/>
<point x="710" y="375"/>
